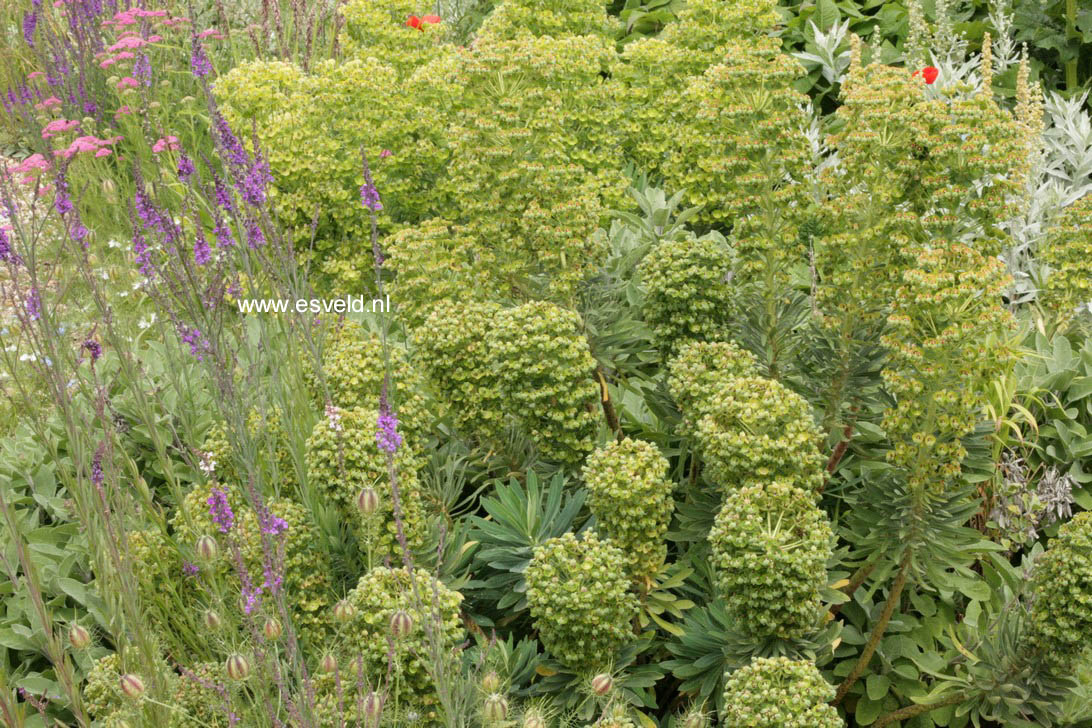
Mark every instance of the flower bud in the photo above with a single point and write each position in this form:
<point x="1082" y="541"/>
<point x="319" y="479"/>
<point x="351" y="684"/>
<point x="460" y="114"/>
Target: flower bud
<point x="344" y="611"/>
<point x="237" y="667"/>
<point x="328" y="663"/>
<point x="212" y="620"/>
<point x="272" y="629"/>
<point x="401" y="623"/>
<point x="602" y="683"/>
<point x="207" y="549"/>
<point x="491" y="682"/>
<point x="79" y="637"/>
<point x="373" y="706"/>
<point x="131" y="685"/>
<point x="154" y="105"/>
<point x="534" y="719"/>
<point x="695" y="719"/>
<point x="495" y="709"/>
<point x="164" y="84"/>
<point x="367" y="501"/>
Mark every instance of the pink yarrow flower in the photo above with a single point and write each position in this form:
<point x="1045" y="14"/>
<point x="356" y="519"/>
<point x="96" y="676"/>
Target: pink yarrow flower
<point x="169" y="143"/>
<point x="58" y="126"/>
<point x="48" y="103"/>
<point x="128" y="82"/>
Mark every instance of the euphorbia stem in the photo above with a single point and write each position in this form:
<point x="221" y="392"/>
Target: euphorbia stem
<point x="879" y="629"/>
<point x="911" y="710"/>
<point x="854" y="584"/>
<point x="1071" y="33"/>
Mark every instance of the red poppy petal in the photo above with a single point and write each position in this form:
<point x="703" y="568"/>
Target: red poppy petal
<point x="431" y="18"/>
<point x="930" y="73"/>
<point x="413" y="21"/>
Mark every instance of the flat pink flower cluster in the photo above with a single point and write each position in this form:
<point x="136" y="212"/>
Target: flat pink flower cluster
<point x="101" y="147"/>
<point x="58" y="126"/>
<point x="46" y="104"/>
<point x="163" y="144"/>
<point x="28" y="167"/>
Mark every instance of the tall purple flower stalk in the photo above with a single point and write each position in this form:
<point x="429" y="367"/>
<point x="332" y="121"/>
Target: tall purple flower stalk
<point x="199" y="60"/>
<point x="386" y="434"/>
<point x="220" y="510"/>
<point x="30" y="22"/>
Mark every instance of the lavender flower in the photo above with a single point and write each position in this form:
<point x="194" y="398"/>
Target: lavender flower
<point x="255" y="238"/>
<point x="34" y="305"/>
<point x="220" y="510"/>
<point x="6" y="256"/>
<point x="142" y="69"/>
<point x="62" y="203"/>
<point x="369" y="196"/>
<point x="252" y="187"/>
<point x="30" y="22"/>
<point x="96" y="468"/>
<point x="386" y="435"/>
<point x="185" y="168"/>
<point x="190" y="569"/>
<point x="94" y="349"/>
<point x="224" y="238"/>
<point x="222" y="196"/>
<point x="235" y="153"/>
<point x="198" y="343"/>
<point x="199" y="62"/>
<point x="142" y="254"/>
<point x="202" y="253"/>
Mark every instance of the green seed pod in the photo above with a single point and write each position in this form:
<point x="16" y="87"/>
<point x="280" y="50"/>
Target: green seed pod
<point x="212" y="620"/>
<point x="131" y="685"/>
<point x="495" y="709"/>
<point x="491" y="682"/>
<point x="367" y="501"/>
<point x="79" y="637"/>
<point x="534" y="719"/>
<point x="601" y="684"/>
<point x="328" y="663"/>
<point x="401" y="623"/>
<point x="237" y="667"/>
<point x="207" y="549"/>
<point x="272" y="629"/>
<point x="343" y="611"/>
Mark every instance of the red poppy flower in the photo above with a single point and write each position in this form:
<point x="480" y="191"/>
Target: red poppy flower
<point x="929" y="73"/>
<point x="414" y="22"/>
<point x="431" y="19"/>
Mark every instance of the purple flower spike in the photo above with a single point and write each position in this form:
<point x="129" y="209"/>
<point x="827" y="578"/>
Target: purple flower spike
<point x="220" y="510"/>
<point x="386" y="434"/>
<point x="185" y="168"/>
<point x="199" y="62"/>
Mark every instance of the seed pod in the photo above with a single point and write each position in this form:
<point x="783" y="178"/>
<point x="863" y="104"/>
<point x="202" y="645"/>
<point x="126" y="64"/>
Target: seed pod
<point x="491" y="682"/>
<point x="237" y="667"/>
<point x="373" y="706"/>
<point x="131" y="685"/>
<point x="495" y="709"/>
<point x="79" y="637"/>
<point x="534" y="719"/>
<point x="695" y="719"/>
<point x="367" y="501"/>
<point x="212" y="620"/>
<point x="272" y="629"/>
<point x="401" y="623"/>
<point x="344" y="611"/>
<point x="207" y="549"/>
<point x="602" y="683"/>
<point x="328" y="663"/>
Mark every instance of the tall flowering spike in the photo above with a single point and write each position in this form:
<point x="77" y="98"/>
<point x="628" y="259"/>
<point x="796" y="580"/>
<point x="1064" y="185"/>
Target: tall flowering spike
<point x="369" y="195"/>
<point x="202" y="253"/>
<point x="255" y="238"/>
<point x="185" y="168"/>
<point x="34" y="305"/>
<point x="6" y="254"/>
<point x="220" y="510"/>
<point x="199" y="61"/>
<point x="386" y="435"/>
<point x="94" y="349"/>
<point x="142" y="69"/>
<point x="30" y="22"/>
<point x="986" y="66"/>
